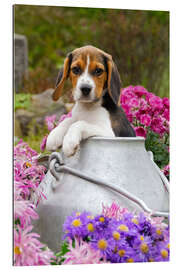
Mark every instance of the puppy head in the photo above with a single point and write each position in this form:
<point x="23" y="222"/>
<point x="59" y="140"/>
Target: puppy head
<point x="91" y="72"/>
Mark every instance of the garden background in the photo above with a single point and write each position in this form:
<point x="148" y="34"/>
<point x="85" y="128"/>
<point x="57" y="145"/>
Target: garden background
<point x="139" y="43"/>
<point x="137" y="40"/>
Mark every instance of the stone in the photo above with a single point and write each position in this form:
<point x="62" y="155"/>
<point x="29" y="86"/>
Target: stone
<point x="20" y="61"/>
<point x="42" y="105"/>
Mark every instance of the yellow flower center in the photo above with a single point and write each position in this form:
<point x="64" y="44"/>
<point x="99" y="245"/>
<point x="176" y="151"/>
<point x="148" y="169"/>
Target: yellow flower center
<point x="17" y="250"/>
<point x="123" y="228"/>
<point x="101" y="219"/>
<point x="102" y="244"/>
<point x="76" y="223"/>
<point x="116" y="235"/>
<point x="121" y="252"/>
<point x="168" y="246"/>
<point x="142" y="238"/>
<point x="164" y="253"/>
<point x="144" y="248"/>
<point x="130" y="260"/>
<point x="90" y="217"/>
<point x="78" y="214"/>
<point x="115" y="249"/>
<point x="28" y="164"/>
<point x="90" y="227"/>
<point x="158" y="231"/>
<point x="135" y="221"/>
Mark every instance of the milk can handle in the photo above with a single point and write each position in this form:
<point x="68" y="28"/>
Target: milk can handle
<point x="57" y="166"/>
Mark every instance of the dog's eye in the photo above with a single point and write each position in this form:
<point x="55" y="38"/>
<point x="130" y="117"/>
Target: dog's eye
<point x="98" y="71"/>
<point x="76" y="70"/>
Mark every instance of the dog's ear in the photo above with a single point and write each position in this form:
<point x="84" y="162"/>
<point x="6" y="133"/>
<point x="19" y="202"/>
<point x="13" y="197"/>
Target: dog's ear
<point x="113" y="79"/>
<point x="62" y="76"/>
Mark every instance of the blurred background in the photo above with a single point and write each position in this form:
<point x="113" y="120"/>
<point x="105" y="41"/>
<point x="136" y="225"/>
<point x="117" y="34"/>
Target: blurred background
<point x="138" y="41"/>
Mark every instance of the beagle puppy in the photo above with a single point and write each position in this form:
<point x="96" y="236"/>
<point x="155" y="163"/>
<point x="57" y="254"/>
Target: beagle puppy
<point x="96" y="90"/>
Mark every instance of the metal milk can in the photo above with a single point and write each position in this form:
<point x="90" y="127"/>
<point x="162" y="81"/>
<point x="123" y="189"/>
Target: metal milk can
<point x="103" y="171"/>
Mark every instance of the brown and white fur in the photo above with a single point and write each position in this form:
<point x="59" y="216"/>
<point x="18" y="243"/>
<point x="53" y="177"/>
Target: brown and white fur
<point x="96" y="90"/>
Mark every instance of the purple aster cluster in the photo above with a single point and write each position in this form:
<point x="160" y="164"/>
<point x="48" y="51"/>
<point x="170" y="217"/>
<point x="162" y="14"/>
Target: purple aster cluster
<point x="130" y="238"/>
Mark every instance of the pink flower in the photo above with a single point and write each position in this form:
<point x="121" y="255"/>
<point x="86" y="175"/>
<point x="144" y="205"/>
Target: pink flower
<point x="24" y="211"/>
<point x="145" y="119"/>
<point x="82" y="253"/>
<point x="140" y="131"/>
<point x="166" y="170"/>
<point x="114" y="211"/>
<point x="140" y="91"/>
<point x="28" y="250"/>
<point x="64" y="116"/>
<point x="133" y="102"/>
<point x="165" y="101"/>
<point x="50" y="121"/>
<point x="43" y="143"/>
<point x="155" y="102"/>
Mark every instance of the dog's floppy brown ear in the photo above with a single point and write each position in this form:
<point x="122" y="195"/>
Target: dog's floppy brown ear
<point x="62" y="76"/>
<point x="113" y="80"/>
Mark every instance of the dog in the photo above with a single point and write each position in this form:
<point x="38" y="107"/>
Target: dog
<point x="96" y="87"/>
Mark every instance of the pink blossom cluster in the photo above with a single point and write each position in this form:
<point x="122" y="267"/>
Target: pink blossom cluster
<point x="82" y="253"/>
<point x="28" y="250"/>
<point x="51" y="122"/>
<point x="166" y="170"/>
<point x="145" y="110"/>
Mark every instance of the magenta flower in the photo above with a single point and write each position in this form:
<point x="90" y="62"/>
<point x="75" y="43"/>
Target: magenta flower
<point x="145" y="120"/>
<point x="140" y="131"/>
<point x="166" y="170"/>
<point x="28" y="250"/>
<point x="43" y="143"/>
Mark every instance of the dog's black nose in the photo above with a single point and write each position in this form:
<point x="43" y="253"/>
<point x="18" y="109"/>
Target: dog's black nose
<point x="85" y="89"/>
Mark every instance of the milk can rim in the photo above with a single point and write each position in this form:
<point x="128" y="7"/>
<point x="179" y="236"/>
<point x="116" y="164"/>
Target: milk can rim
<point x="138" y="138"/>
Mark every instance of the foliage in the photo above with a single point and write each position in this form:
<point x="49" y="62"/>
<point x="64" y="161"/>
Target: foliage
<point x="22" y="101"/>
<point x="137" y="40"/>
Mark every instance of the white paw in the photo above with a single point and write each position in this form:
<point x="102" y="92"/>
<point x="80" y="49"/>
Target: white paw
<point x="54" y="140"/>
<point x="71" y="144"/>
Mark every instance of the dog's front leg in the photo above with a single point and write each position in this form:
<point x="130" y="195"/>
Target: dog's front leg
<point x="56" y="136"/>
<point x="81" y="130"/>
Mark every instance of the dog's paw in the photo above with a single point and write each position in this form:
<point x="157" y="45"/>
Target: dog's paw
<point x="70" y="144"/>
<point x="54" y="140"/>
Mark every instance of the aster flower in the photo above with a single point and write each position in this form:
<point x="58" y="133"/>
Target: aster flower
<point x="76" y="225"/>
<point x="25" y="212"/>
<point x="28" y="250"/>
<point x="113" y="211"/>
<point x="82" y="253"/>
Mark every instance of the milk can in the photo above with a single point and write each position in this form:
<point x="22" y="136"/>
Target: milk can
<point x="104" y="170"/>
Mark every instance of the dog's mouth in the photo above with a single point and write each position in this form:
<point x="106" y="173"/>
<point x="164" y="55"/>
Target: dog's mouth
<point x="88" y="99"/>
